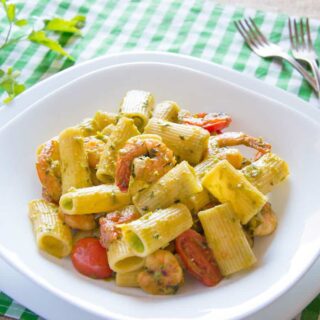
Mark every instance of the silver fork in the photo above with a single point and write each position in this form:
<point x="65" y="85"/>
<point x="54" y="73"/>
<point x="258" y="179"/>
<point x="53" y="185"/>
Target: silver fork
<point x="265" y="49"/>
<point x="302" y="49"/>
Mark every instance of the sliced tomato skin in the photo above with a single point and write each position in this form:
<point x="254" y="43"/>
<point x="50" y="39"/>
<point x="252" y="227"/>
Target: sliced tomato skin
<point x="213" y="123"/>
<point x="198" y="258"/>
<point x="90" y="258"/>
<point x="216" y="127"/>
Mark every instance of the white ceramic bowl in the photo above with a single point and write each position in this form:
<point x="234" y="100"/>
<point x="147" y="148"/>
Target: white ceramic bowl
<point x="283" y="257"/>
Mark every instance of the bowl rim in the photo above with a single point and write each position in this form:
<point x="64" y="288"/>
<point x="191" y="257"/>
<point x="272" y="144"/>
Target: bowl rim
<point x="184" y="60"/>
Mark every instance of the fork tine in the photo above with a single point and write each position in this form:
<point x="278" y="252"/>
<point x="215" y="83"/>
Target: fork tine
<point x="253" y="33"/>
<point x="296" y="32"/>
<point x="302" y="33"/>
<point x="293" y="46"/>
<point x="309" y="34"/>
<point x="264" y="39"/>
<point x="251" y="39"/>
<point x="236" y="23"/>
<point x="243" y="33"/>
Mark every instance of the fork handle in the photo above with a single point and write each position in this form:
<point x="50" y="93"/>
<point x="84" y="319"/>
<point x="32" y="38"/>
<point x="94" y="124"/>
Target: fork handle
<point x="316" y="72"/>
<point x="302" y="70"/>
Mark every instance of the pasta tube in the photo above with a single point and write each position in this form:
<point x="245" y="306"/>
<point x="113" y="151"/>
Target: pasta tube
<point x="229" y="185"/>
<point x="128" y="279"/>
<point x="187" y="142"/>
<point x="156" y="229"/>
<point x="233" y="156"/>
<point x="266" y="172"/>
<point x="121" y="258"/>
<point x="176" y="185"/>
<point x="102" y="198"/>
<point x="108" y="129"/>
<point x="88" y="127"/>
<point x="166" y="110"/>
<point x="226" y="239"/>
<point x="74" y="163"/>
<point x="205" y="166"/>
<point x="137" y="105"/>
<point x="103" y="119"/>
<point x="52" y="234"/>
<point x="198" y="201"/>
<point x="123" y="130"/>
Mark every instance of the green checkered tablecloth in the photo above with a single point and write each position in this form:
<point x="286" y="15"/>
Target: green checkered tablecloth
<point x="200" y="28"/>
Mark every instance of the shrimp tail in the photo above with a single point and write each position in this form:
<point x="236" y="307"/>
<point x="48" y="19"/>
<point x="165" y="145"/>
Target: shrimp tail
<point x="258" y="144"/>
<point x="122" y="175"/>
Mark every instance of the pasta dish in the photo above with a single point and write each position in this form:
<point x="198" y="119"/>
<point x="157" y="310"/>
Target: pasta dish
<point x="153" y="192"/>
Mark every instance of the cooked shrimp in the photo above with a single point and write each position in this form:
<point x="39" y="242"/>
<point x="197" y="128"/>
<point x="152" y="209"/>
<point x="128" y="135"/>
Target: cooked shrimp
<point x="94" y="147"/>
<point x="48" y="169"/>
<point x="213" y="122"/>
<point x="155" y="159"/>
<point x="108" y="224"/>
<point x="84" y="222"/>
<point x="229" y="139"/>
<point x="162" y="273"/>
<point x="264" y="223"/>
<point x="269" y="221"/>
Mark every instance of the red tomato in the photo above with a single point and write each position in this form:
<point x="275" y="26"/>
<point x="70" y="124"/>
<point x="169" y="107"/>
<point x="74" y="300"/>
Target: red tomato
<point x="90" y="258"/>
<point x="213" y="122"/>
<point x="198" y="258"/>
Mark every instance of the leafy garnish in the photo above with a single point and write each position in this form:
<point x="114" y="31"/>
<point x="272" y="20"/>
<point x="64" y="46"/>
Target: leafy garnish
<point x="11" y="11"/>
<point x="21" y="22"/>
<point x="61" y="25"/>
<point x="38" y="35"/>
<point x="9" y="83"/>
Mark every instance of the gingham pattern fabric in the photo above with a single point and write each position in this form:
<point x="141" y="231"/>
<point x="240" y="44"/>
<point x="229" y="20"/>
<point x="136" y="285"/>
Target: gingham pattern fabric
<point x="200" y="28"/>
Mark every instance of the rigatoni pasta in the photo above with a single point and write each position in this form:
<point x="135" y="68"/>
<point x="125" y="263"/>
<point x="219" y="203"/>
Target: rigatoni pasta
<point x="128" y="279"/>
<point x="104" y="119"/>
<point x="226" y="239"/>
<point x="156" y="229"/>
<point x="187" y="142"/>
<point x="198" y="200"/>
<point x="137" y="105"/>
<point x="122" y="259"/>
<point x="229" y="185"/>
<point x="175" y="186"/>
<point x="166" y="110"/>
<point x="160" y="192"/>
<point x="123" y="130"/>
<point x="74" y="164"/>
<point x="52" y="235"/>
<point x="266" y="172"/>
<point x="96" y="199"/>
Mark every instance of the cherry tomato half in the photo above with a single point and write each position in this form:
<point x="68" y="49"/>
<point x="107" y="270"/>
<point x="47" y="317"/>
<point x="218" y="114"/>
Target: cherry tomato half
<point x="212" y="122"/>
<point x="198" y="258"/>
<point x="90" y="258"/>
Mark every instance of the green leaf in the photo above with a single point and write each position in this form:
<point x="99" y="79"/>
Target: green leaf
<point x="10" y="71"/>
<point x="18" y="88"/>
<point x="11" y="12"/>
<point x="8" y="99"/>
<point x="10" y="85"/>
<point x="21" y="22"/>
<point x="62" y="25"/>
<point x="40" y="37"/>
<point x="2" y="73"/>
<point x="79" y="21"/>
